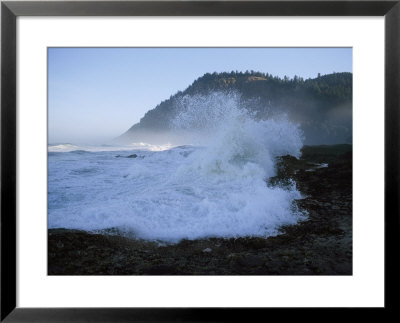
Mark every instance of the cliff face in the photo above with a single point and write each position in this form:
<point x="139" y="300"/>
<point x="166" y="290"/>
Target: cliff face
<point x="322" y="106"/>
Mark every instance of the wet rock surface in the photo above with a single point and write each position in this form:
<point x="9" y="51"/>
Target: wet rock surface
<point x="320" y="245"/>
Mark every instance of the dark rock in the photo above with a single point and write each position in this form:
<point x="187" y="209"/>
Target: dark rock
<point x="130" y="156"/>
<point x="252" y="261"/>
<point x="160" y="270"/>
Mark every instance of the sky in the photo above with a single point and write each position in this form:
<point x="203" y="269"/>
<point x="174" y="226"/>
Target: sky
<point x="96" y="94"/>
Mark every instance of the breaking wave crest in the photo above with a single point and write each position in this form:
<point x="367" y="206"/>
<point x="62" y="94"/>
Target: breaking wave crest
<point x="215" y="186"/>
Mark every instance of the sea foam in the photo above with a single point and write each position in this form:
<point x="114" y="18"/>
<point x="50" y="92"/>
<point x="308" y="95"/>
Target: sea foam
<point x="215" y="186"/>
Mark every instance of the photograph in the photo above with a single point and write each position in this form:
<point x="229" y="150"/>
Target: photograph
<point x="199" y="161"/>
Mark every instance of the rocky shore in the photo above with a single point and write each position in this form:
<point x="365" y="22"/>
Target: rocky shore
<point x="320" y="245"/>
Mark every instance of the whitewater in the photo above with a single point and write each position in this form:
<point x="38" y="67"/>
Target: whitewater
<point x="213" y="184"/>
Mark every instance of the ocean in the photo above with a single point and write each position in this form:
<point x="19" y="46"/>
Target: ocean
<point x="214" y="185"/>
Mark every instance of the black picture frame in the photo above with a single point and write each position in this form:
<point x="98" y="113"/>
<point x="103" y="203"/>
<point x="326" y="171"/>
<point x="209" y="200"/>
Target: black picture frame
<point x="10" y="10"/>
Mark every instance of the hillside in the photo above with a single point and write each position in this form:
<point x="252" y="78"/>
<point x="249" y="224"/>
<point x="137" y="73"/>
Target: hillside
<point x="322" y="106"/>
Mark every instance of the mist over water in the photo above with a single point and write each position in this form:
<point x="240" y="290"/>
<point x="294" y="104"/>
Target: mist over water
<point x="214" y="184"/>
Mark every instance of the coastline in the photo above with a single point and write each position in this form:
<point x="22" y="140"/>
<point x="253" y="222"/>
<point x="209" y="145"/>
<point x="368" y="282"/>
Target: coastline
<point x="320" y="245"/>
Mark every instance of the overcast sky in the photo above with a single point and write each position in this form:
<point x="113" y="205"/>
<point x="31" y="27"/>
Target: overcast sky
<point x="96" y="94"/>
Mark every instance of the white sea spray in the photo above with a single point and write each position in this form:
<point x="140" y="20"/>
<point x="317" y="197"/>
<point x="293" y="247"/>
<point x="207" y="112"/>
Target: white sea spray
<point x="215" y="186"/>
